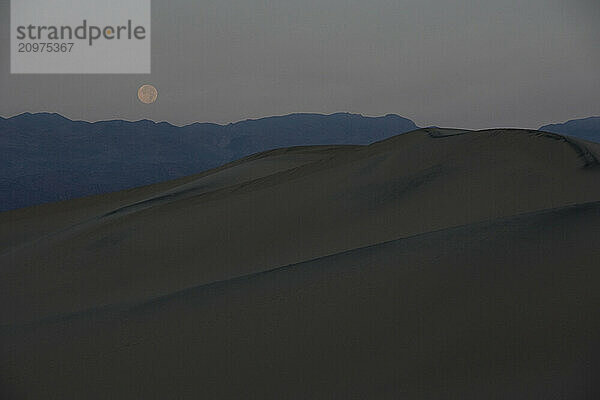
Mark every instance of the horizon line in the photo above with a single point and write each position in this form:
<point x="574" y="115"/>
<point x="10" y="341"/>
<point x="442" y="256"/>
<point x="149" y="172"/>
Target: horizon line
<point x="156" y="122"/>
<point x="164" y="122"/>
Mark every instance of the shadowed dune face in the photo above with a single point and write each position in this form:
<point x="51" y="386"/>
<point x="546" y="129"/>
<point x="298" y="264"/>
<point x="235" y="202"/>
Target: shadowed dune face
<point x="439" y="263"/>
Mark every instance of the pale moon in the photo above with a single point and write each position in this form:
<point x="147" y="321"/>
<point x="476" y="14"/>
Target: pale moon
<point x="147" y="94"/>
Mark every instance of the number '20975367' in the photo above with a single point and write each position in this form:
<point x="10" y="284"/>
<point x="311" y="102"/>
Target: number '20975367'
<point x="45" y="47"/>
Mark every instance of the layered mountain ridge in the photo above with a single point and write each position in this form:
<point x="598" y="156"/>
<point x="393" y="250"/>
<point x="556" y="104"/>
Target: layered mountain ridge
<point x="46" y="157"/>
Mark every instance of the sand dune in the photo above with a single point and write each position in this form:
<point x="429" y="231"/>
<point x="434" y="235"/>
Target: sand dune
<point x="435" y="264"/>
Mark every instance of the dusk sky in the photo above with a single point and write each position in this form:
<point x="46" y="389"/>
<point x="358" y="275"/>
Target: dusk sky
<point x="454" y="63"/>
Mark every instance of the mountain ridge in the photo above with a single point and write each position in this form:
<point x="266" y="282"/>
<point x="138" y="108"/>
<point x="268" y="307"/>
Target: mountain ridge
<point x="28" y="114"/>
<point x="585" y="128"/>
<point x="47" y="157"/>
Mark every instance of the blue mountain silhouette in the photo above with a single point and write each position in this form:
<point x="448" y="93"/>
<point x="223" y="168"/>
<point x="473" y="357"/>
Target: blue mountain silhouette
<point x="586" y="128"/>
<point x="46" y="157"/>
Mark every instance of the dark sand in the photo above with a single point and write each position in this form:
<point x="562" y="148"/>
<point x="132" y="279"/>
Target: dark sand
<point x="437" y="264"/>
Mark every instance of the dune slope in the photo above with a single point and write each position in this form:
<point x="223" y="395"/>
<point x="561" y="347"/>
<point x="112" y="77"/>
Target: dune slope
<point x="435" y="264"/>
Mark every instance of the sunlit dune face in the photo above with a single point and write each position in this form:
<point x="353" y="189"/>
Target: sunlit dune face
<point x="147" y="94"/>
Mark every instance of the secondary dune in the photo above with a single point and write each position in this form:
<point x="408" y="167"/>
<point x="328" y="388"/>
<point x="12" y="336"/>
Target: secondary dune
<point x="435" y="264"/>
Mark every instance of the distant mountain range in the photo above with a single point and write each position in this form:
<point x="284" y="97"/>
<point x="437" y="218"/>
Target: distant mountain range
<point x="587" y="128"/>
<point x="46" y="157"/>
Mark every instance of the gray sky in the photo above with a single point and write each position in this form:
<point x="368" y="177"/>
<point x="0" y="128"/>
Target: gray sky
<point x="455" y="63"/>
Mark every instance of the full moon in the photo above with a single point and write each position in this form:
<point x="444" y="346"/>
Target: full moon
<point x="147" y="94"/>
